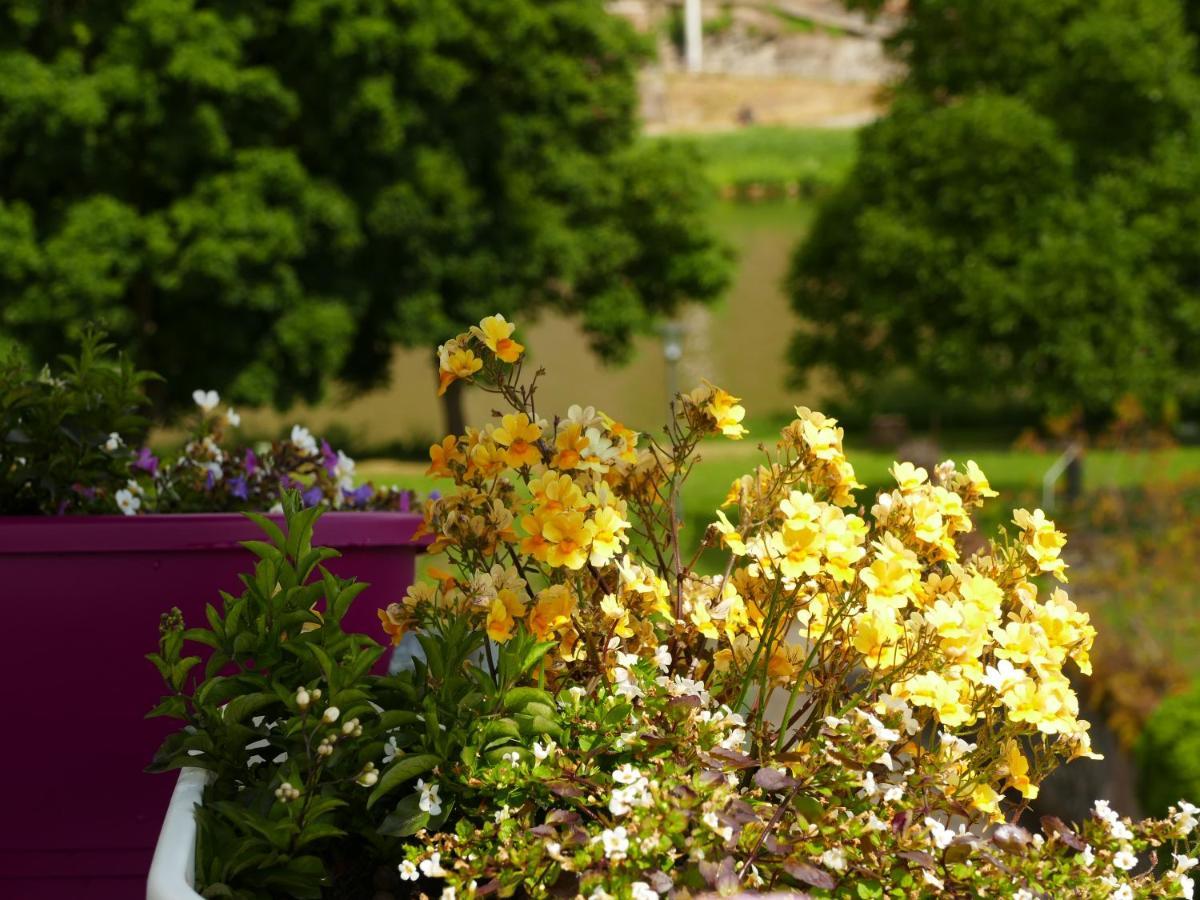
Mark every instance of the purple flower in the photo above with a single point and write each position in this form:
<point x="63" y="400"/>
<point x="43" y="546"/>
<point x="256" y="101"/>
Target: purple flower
<point x="329" y="458"/>
<point x="239" y="488"/>
<point x="359" y="495"/>
<point x="147" y="462"/>
<point x="250" y="462"/>
<point x="435" y="495"/>
<point x="209" y="480"/>
<point x="312" y="496"/>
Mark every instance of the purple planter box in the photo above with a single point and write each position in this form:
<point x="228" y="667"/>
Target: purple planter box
<point x="80" y="816"/>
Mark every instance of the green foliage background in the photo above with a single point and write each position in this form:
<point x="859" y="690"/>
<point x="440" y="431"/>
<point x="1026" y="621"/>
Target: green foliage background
<point x="1022" y="224"/>
<point x="259" y="197"/>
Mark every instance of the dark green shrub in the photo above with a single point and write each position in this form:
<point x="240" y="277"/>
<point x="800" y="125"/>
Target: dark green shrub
<point x="1168" y="753"/>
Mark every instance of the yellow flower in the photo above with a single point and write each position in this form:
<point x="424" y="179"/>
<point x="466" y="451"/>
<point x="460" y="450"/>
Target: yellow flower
<point x="496" y="335"/>
<point x="985" y="799"/>
<point x="570" y="535"/>
<point x="503" y="613"/>
<point x="724" y="409"/>
<point x="552" y="610"/>
<point x="908" y="477"/>
<point x="729" y="535"/>
<point x="455" y="361"/>
<point x="617" y="615"/>
<point x="1016" y="767"/>
<point x="569" y="444"/>
<point x="608" y="535"/>
<point x="978" y="480"/>
<point x="554" y="492"/>
<point x="519" y="436"/>
<point x="442" y="456"/>
<point x="1042" y="542"/>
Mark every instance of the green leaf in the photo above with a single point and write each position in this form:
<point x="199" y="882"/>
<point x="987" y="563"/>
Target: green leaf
<point x="408" y="818"/>
<point x="518" y="697"/>
<point x="403" y="769"/>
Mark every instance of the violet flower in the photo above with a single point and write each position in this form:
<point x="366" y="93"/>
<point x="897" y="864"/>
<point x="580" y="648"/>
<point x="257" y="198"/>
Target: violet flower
<point x="147" y="462"/>
<point x="312" y="496"/>
<point x="359" y="496"/>
<point x="238" y="488"/>
<point x="250" y="462"/>
<point x="329" y="458"/>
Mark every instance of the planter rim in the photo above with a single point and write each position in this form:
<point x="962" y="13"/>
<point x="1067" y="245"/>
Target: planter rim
<point x="59" y="535"/>
<point x="172" y="873"/>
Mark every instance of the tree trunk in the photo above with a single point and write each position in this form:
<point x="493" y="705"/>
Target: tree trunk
<point x="453" y="415"/>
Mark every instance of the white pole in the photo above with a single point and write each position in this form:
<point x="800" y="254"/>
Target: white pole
<point x="693" y="33"/>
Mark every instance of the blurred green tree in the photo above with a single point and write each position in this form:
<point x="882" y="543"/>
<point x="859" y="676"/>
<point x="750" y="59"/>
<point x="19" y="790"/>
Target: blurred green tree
<point x="264" y="197"/>
<point x="1022" y="223"/>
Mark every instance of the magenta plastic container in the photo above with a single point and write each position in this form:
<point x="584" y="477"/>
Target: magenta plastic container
<point x="83" y="596"/>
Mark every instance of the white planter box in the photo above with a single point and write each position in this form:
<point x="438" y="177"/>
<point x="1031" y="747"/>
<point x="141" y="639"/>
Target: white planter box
<point x="172" y="873"/>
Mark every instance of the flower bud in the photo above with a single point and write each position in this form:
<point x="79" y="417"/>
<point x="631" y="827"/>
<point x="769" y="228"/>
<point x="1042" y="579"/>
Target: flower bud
<point x="331" y="715"/>
<point x="316" y="693"/>
<point x="303" y="699"/>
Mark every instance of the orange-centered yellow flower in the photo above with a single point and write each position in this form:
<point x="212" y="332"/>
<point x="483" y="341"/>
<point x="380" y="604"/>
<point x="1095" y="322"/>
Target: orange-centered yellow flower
<point x="455" y="361"/>
<point x="496" y="335"/>
<point x="724" y="408"/>
<point x="503" y="613"/>
<point x="552" y="610"/>
<point x="519" y="436"/>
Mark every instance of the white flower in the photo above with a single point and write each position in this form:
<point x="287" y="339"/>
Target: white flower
<point x="710" y="819"/>
<point x="390" y="749"/>
<point x="206" y="400"/>
<point x="302" y="438"/>
<point x="432" y="867"/>
<point x="939" y="833"/>
<point x="1023" y="894"/>
<point x="834" y="858"/>
<point x="1183" y="862"/>
<point x="1124" y="860"/>
<point x="542" y="753"/>
<point x="1187" y="886"/>
<point x="127" y="502"/>
<point x="1124" y="892"/>
<point x="1004" y="676"/>
<point x="883" y="735"/>
<point x="626" y="683"/>
<point x="870" y="790"/>
<point x="643" y="891"/>
<point x="1185" y="818"/>
<point x="503" y="814"/>
<point x="409" y="871"/>
<point x="616" y="842"/>
<point x="1088" y="856"/>
<point x="513" y="758"/>
<point x="626" y="774"/>
<point x="114" y="443"/>
<point x="232" y="417"/>
<point x="600" y="894"/>
<point x="449" y="893"/>
<point x="662" y="657"/>
<point x="429" y="802"/>
<point x="936" y="883"/>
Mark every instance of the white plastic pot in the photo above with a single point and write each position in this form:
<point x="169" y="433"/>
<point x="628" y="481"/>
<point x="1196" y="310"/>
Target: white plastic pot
<point x="173" y="871"/>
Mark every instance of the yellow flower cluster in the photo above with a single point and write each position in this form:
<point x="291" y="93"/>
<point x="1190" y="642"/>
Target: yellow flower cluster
<point x="566" y="528"/>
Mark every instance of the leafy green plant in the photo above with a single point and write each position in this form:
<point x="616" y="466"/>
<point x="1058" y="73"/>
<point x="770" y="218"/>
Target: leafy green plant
<point x="305" y="745"/>
<point x="65" y="435"/>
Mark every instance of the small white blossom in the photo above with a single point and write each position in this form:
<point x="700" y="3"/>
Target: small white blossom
<point x="662" y="657"/>
<point x="1088" y="856"/>
<point x="1187" y="885"/>
<point x="114" y="443"/>
<point x="232" y="417"/>
<point x="1124" y="892"/>
<point x="449" y="893"/>
<point x="1183" y="862"/>
<point x="616" y="842"/>
<point x="429" y="802"/>
<point x="127" y="502"/>
<point x="834" y="858"/>
<point x="302" y="438"/>
<point x="206" y="400"/>
<point x="432" y="867"/>
<point x="1124" y="860"/>
<point x="409" y="871"/>
<point x="642" y="891"/>
<point x="542" y="753"/>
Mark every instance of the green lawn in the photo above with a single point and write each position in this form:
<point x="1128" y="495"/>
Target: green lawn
<point x="776" y="155"/>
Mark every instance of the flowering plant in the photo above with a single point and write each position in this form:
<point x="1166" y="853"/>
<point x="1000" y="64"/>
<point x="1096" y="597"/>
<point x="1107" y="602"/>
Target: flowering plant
<point x="210" y="474"/>
<point x="73" y="441"/>
<point x="850" y="706"/>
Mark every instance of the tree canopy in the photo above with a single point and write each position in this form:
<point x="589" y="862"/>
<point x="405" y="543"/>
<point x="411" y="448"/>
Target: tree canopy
<point x="1022" y="223"/>
<point x="261" y="197"/>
